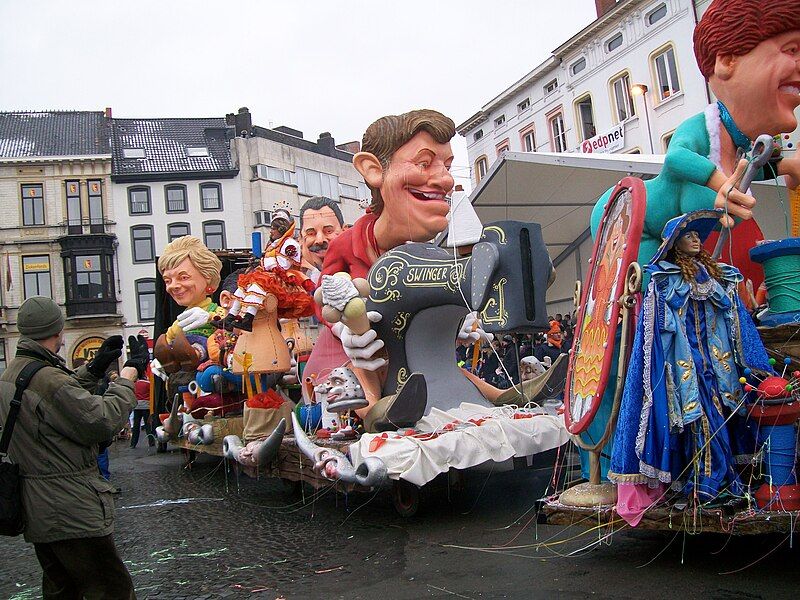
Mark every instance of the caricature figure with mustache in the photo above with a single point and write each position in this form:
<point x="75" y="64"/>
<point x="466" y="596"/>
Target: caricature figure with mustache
<point x="321" y="222"/>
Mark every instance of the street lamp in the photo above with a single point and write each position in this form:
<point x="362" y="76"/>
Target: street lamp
<point x="640" y="89"/>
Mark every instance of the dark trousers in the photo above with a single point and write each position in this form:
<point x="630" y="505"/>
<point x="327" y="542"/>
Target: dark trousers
<point x="139" y="416"/>
<point x="83" y="568"/>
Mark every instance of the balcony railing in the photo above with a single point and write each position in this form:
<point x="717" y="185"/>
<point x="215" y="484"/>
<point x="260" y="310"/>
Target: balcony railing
<point x="85" y="226"/>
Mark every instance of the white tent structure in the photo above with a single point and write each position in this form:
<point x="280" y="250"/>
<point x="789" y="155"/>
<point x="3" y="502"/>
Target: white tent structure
<point x="559" y="190"/>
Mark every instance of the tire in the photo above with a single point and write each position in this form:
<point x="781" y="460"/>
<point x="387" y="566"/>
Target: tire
<point x="406" y="498"/>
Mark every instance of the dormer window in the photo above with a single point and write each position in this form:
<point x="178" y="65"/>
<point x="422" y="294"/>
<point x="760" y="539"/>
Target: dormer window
<point x="578" y="66"/>
<point x="133" y="153"/>
<point x="614" y="43"/>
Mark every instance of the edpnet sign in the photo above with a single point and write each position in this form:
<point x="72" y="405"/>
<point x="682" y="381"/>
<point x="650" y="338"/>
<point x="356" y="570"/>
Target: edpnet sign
<point x="605" y="142"/>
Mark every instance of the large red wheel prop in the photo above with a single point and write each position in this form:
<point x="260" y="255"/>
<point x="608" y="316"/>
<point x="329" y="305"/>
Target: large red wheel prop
<point x="616" y="247"/>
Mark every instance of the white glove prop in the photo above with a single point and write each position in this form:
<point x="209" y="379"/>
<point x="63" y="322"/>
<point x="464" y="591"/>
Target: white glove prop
<point x="193" y="318"/>
<point x="361" y="349"/>
<point x="158" y="370"/>
<point x="467" y="334"/>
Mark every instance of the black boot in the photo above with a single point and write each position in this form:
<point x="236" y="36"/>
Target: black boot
<point x="230" y="320"/>
<point x="402" y="409"/>
<point x="245" y="323"/>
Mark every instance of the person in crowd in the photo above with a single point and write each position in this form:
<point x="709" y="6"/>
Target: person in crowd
<point x="491" y="363"/>
<point x="141" y="414"/>
<point x="510" y="360"/>
<point x="103" y="458"/>
<point x="68" y="507"/>
<point x="552" y="347"/>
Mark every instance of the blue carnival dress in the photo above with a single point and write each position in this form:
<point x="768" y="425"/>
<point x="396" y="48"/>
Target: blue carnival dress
<point x="692" y="342"/>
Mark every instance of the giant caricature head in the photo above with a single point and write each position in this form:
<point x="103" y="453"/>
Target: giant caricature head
<point x="749" y="50"/>
<point x="405" y="160"/>
<point x="321" y="222"/>
<point x="190" y="270"/>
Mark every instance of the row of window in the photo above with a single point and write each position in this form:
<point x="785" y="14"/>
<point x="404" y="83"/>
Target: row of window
<point x="312" y="183"/>
<point x="85" y="280"/>
<point x="143" y="238"/>
<point x="78" y="204"/>
<point x="615" y="41"/>
<point x="665" y="70"/>
<point x="91" y="204"/>
<point x="87" y="277"/>
<point x="175" y="198"/>
<point x="623" y="107"/>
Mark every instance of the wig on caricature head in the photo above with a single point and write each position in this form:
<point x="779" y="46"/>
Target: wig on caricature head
<point x="203" y="259"/>
<point x="389" y="133"/>
<point x="747" y="50"/>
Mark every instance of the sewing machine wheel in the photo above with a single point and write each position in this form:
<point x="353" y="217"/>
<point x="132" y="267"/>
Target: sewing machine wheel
<point x="405" y="498"/>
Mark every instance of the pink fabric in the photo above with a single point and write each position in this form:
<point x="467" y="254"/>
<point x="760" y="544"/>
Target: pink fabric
<point x="326" y="356"/>
<point x="633" y="499"/>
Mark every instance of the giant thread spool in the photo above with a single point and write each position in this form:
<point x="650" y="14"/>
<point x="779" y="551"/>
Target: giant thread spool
<point x="777" y="413"/>
<point x="781" y="262"/>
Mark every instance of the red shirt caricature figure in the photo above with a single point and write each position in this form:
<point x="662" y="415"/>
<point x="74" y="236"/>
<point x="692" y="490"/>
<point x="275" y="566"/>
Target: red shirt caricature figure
<point x="405" y="161"/>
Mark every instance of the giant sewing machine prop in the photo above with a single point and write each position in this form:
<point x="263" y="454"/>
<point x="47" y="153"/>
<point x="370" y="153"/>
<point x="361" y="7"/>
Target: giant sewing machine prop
<point x="423" y="292"/>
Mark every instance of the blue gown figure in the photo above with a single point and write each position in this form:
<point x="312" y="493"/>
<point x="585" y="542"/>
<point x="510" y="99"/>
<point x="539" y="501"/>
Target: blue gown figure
<point x="679" y="419"/>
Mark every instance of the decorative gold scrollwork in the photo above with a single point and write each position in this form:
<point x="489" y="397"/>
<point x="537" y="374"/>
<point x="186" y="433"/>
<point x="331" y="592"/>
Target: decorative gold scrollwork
<point x="400" y="323"/>
<point x="495" y="310"/>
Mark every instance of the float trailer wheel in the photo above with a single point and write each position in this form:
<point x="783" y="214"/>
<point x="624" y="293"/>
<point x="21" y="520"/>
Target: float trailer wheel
<point x="405" y="498"/>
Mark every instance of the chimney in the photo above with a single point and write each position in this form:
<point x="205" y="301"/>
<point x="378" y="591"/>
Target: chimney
<point x="603" y="6"/>
<point x="242" y="121"/>
<point x="108" y="112"/>
<point x="326" y="143"/>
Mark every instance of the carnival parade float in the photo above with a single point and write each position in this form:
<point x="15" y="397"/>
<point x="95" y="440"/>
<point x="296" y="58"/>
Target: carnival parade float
<point x="685" y="409"/>
<point x="383" y="402"/>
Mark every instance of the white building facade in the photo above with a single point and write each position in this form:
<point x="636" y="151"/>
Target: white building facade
<point x="621" y="85"/>
<point x="583" y="98"/>
<point x="171" y="177"/>
<point x="279" y="168"/>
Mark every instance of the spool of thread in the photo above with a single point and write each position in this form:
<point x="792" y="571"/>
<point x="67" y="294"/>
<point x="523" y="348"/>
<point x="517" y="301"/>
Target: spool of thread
<point x="778" y="442"/>
<point x="781" y="262"/>
<point x="309" y="416"/>
<point x="255" y="240"/>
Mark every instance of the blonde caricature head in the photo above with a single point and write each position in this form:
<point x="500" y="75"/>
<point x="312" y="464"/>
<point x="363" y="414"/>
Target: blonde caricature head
<point x="188" y="246"/>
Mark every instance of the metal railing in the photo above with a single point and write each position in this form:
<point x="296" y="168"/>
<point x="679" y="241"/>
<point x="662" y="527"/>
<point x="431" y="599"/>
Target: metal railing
<point x="85" y="226"/>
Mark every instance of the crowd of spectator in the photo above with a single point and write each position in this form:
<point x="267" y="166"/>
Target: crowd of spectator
<point x="498" y="364"/>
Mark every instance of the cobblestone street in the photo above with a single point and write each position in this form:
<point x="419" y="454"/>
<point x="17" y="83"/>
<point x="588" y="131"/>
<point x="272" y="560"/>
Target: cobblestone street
<point x="201" y="533"/>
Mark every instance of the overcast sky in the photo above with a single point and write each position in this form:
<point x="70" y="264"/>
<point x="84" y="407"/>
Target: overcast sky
<point x="312" y="65"/>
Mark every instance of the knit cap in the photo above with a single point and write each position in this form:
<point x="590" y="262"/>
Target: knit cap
<point x="39" y="318"/>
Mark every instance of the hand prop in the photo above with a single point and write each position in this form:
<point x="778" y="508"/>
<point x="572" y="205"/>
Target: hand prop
<point x="733" y="195"/>
<point x="342" y="302"/>
<point x="109" y="352"/>
<point x="342" y="299"/>
<point x="471" y="330"/>
<point x="193" y="318"/>
<point x="362" y="350"/>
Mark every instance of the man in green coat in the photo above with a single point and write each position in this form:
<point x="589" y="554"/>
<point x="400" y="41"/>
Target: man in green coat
<point x="68" y="506"/>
